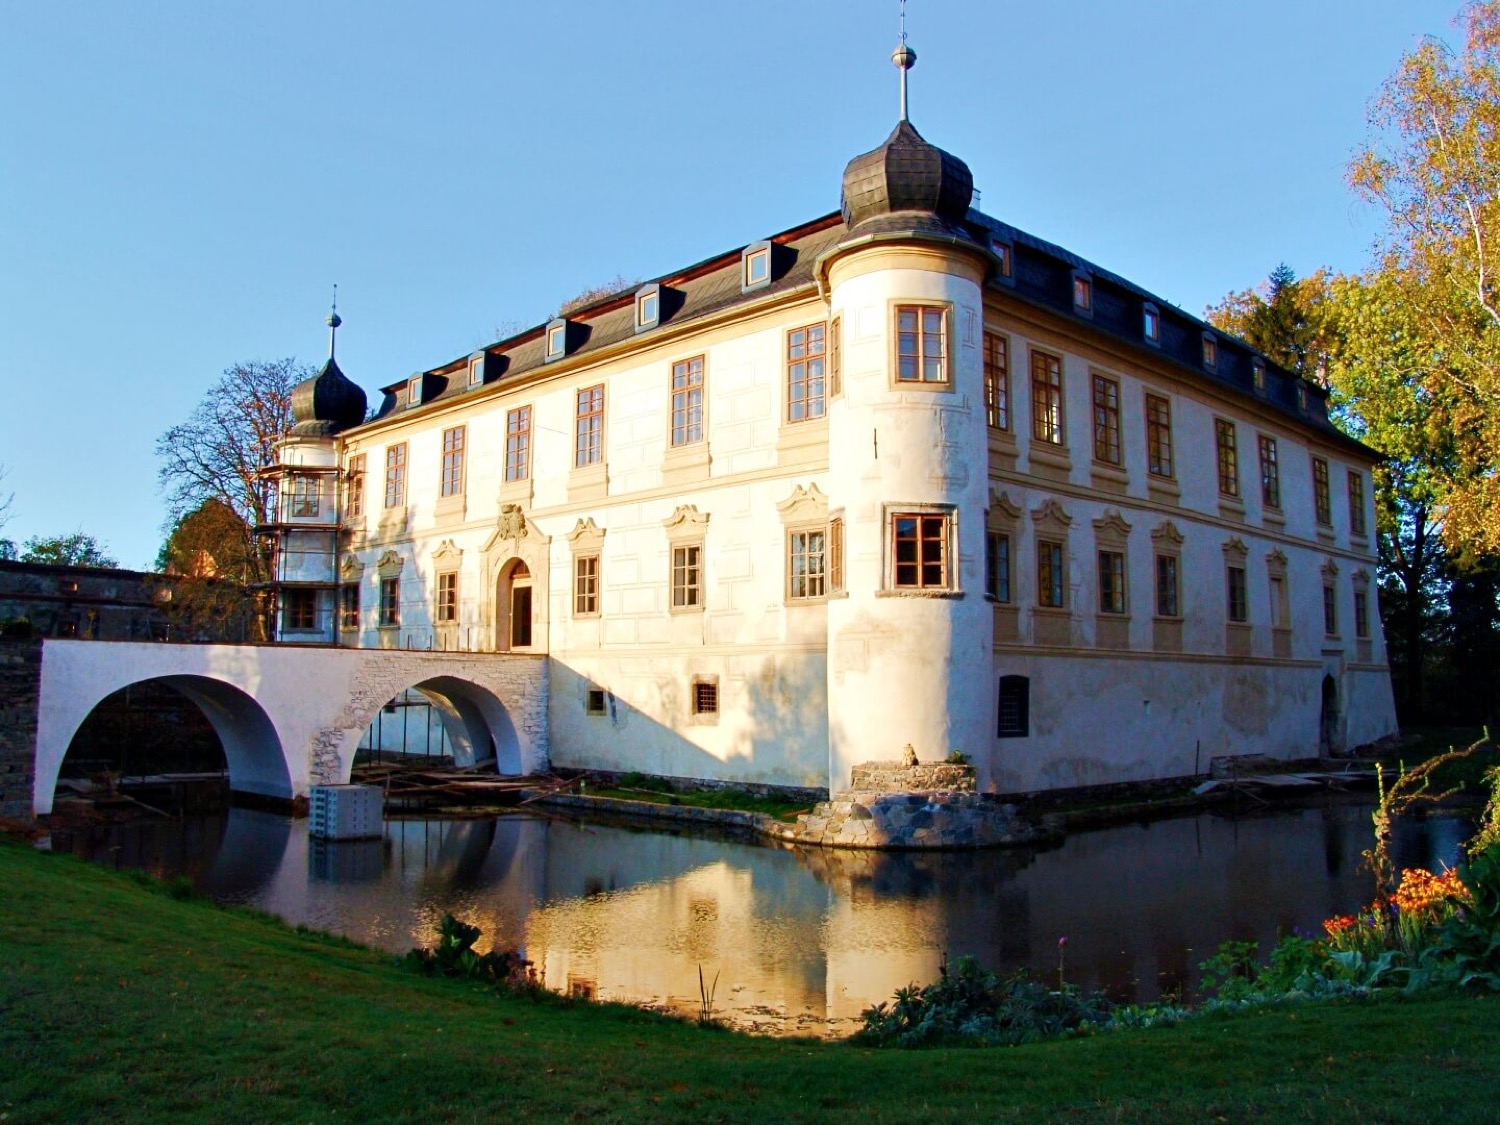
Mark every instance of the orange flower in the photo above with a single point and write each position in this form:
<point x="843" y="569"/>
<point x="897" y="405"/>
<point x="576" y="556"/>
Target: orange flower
<point x="1335" y="926"/>
<point x="1421" y="890"/>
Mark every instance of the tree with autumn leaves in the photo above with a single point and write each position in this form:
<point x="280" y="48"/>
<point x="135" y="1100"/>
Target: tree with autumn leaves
<point x="1411" y="346"/>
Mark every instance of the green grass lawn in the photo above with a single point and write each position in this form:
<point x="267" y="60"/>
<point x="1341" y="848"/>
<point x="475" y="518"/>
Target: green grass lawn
<point x="119" y="1002"/>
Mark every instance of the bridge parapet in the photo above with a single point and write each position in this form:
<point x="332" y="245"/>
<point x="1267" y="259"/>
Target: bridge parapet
<point x="20" y="698"/>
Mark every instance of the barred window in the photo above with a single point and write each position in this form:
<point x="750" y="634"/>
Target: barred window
<point x="1015" y="705"/>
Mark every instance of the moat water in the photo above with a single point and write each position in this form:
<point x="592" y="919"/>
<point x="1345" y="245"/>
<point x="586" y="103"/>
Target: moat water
<point x="799" y="941"/>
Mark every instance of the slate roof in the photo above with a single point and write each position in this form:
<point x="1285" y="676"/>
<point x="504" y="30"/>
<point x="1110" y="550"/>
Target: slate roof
<point x="1041" y="274"/>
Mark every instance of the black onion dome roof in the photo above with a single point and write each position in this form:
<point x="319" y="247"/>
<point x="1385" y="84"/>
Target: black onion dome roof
<point x="906" y="174"/>
<point x="327" y="403"/>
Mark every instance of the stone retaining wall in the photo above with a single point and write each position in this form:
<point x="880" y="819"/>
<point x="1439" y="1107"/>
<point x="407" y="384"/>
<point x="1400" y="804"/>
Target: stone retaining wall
<point x="909" y="820"/>
<point x="896" y="777"/>
<point x="20" y="690"/>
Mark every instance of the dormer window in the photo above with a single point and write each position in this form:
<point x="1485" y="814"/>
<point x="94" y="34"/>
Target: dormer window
<point x="414" y="391"/>
<point x="755" y="266"/>
<point x="1001" y="250"/>
<point x="476" y="369"/>
<point x="1258" y="375"/>
<point x="1302" y="397"/>
<point x="1151" y="323"/>
<point x="1083" y="293"/>
<point x="1210" y="351"/>
<point x="647" y="307"/>
<point x="556" y="341"/>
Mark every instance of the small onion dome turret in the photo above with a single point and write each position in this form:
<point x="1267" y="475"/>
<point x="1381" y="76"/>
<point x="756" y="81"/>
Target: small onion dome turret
<point x="326" y="404"/>
<point x="906" y="174"/>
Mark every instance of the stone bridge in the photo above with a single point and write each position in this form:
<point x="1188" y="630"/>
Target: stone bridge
<point x="288" y="717"/>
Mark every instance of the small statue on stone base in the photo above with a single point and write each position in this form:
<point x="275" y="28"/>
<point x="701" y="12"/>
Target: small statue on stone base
<point x="909" y="756"/>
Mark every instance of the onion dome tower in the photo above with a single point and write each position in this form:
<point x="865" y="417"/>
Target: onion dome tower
<point x="910" y="646"/>
<point x="304" y="528"/>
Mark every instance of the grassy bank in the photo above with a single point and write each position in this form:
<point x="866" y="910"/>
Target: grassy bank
<point x="120" y="1003"/>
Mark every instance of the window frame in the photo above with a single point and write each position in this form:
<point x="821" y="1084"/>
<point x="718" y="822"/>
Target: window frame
<point x="586" y="573"/>
<point x="1047" y="399"/>
<point x="354" y="487"/>
<point x="810" y="582"/>
<point x="686" y="586"/>
<point x="1108" y="448"/>
<point x="1051" y="572"/>
<point x="588" y="427"/>
<point x="1361" y="614"/>
<point x="1168" y="585"/>
<point x="304" y="499"/>
<point x="395" y="475"/>
<point x="1019" y="695"/>
<point x="1270" y="472"/>
<point x="451" y="481"/>
<point x="933" y="529"/>
<point x="1113" y="601"/>
<point x="799" y="372"/>
<point x="390" y="602"/>
<point x="299" y="610"/>
<point x="688" y="404"/>
<point x="349" y="607"/>
<point x="1227" y="457"/>
<point x="518" y="444"/>
<point x="999" y="561"/>
<point x="920" y="336"/>
<point x="835" y="381"/>
<point x="1330" y="608"/>
<point x="1236" y="593"/>
<point x="1322" y="492"/>
<point x="1358" y="527"/>
<point x="835" y="546"/>
<point x="997" y="398"/>
<point x="1151" y="324"/>
<point x="1160" y="459"/>
<point x="1083" y="293"/>
<point x="445" y="609"/>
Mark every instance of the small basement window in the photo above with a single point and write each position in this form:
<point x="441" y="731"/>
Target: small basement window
<point x="1014" y="720"/>
<point x="706" y="696"/>
<point x="755" y="266"/>
<point x="594" y="703"/>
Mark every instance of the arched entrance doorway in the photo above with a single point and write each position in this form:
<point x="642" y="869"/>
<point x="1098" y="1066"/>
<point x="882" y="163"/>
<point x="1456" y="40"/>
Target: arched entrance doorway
<point x="514" y="617"/>
<point x="1328" y="718"/>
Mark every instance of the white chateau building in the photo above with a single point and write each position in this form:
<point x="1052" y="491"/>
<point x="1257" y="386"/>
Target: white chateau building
<point x="901" y="474"/>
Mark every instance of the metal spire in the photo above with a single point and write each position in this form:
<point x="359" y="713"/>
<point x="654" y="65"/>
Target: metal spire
<point x="334" y="320"/>
<point x="904" y="58"/>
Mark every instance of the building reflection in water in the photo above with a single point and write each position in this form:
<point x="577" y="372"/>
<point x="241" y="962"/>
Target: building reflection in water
<point x="796" y="937"/>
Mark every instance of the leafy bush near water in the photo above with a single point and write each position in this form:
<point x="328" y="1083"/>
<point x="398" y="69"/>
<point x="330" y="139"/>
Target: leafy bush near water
<point x="454" y="956"/>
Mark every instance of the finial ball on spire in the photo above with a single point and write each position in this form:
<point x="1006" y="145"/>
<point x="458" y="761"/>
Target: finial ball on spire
<point x="904" y="57"/>
<point x="334" y="320"/>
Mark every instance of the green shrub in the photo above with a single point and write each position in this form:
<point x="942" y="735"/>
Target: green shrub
<point x="454" y="956"/>
<point x="969" y="1006"/>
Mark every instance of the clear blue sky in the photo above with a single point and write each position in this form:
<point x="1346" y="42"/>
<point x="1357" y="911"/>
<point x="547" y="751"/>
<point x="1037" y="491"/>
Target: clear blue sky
<point x="181" y="183"/>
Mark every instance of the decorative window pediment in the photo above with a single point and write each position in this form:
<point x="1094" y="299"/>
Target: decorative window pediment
<point x="1235" y="551"/>
<point x="1330" y="570"/>
<point x="1361" y="579"/>
<point x="686" y="523"/>
<point x="1276" y="563"/>
<point x="1050" y="519"/>
<point x="447" y="556"/>
<point x="390" y="564"/>
<point x="1003" y="512"/>
<point x="1166" y="536"/>
<point x="1111" y="529"/>
<point x="351" y="568"/>
<point x="804" y="505"/>
<point x="586" y="538"/>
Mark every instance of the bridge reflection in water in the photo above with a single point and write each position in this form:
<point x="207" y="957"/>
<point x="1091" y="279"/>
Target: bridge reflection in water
<point x="801" y="942"/>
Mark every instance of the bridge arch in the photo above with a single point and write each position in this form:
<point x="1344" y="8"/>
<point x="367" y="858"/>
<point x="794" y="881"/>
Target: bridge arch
<point x="252" y="747"/>
<point x="478" y="724"/>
